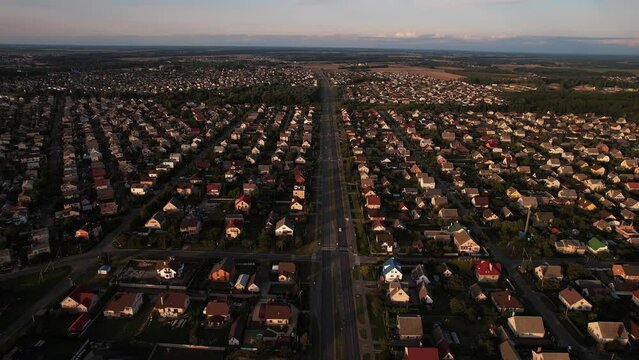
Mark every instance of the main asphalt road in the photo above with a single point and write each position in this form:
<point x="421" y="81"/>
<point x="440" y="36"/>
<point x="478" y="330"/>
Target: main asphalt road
<point x="334" y="306"/>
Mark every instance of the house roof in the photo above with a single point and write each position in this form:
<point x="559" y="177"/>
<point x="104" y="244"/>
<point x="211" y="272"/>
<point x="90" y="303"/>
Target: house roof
<point x="286" y="268"/>
<point x="609" y="329"/>
<point x="120" y="301"/>
<point x="275" y="311"/>
<point x="421" y="353"/>
<point x="528" y="324"/>
<point x="571" y="296"/>
<point x="217" y="308"/>
<point x="226" y="264"/>
<point x="171" y="300"/>
<point x="82" y="296"/>
<point x="508" y="351"/>
<point x="487" y="268"/>
<point x="505" y="300"/>
<point x="410" y="325"/>
<point x="596" y="244"/>
<point x="389" y="265"/>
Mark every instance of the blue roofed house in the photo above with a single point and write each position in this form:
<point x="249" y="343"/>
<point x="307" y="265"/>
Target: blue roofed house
<point x="391" y="270"/>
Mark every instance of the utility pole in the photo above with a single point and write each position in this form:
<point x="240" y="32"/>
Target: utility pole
<point x="527" y="222"/>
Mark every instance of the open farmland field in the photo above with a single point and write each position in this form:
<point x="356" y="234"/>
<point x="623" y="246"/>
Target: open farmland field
<point x="437" y="73"/>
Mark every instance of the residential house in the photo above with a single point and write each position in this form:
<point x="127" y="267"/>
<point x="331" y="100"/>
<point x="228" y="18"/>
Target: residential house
<point x="604" y="332"/>
<point x="243" y="204"/>
<point x="464" y="243"/>
<point x="539" y="355"/>
<point x="123" y="304"/>
<point x="626" y="272"/>
<point x="169" y="269"/>
<point x="173" y="206"/>
<point x="424" y="294"/>
<point x="275" y="314"/>
<point x="233" y="227"/>
<point x="487" y="271"/>
<point x="286" y="272"/>
<point x="157" y="221"/>
<point x="476" y="293"/>
<point x="89" y="231"/>
<point x="284" y="227"/>
<point x="138" y="189"/>
<point x="506" y="303"/>
<point x="421" y="353"/>
<point x="80" y="300"/>
<point x="214" y="189"/>
<point x="391" y="270"/>
<point x="190" y="226"/>
<point x="418" y="274"/>
<point x="223" y="270"/>
<point x="527" y="327"/>
<point x="397" y="294"/>
<point x="570" y="247"/>
<point x="218" y="313"/>
<point x="386" y="242"/>
<point x="409" y="327"/>
<point x="171" y="304"/>
<point x="573" y="300"/>
<point x="549" y="273"/>
<point x="597" y="246"/>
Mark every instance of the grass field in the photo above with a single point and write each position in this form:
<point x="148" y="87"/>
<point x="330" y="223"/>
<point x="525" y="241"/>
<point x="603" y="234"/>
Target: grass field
<point x="21" y="292"/>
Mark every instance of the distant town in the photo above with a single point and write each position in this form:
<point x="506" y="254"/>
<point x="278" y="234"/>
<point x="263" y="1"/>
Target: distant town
<point x="237" y="203"/>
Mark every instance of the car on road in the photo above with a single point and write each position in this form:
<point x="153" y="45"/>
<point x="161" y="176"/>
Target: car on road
<point x="339" y="229"/>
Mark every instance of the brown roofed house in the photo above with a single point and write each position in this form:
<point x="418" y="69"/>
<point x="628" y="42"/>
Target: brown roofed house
<point x="123" y="304"/>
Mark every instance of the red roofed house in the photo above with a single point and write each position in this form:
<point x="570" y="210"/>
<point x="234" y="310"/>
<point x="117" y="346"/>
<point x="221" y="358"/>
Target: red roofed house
<point x="213" y="189"/>
<point x="573" y="300"/>
<point x="171" y="304"/>
<point x="635" y="297"/>
<point x="421" y="353"/>
<point x="373" y="202"/>
<point x="79" y="300"/>
<point x="243" y="204"/>
<point x="275" y="314"/>
<point x="217" y="312"/>
<point x="79" y="324"/>
<point x="626" y="272"/>
<point x="486" y="271"/>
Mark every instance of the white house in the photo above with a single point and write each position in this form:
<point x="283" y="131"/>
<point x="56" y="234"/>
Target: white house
<point x="391" y="270"/>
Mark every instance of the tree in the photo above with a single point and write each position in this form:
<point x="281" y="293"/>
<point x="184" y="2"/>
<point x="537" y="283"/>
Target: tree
<point x="457" y="306"/>
<point x="576" y="271"/>
<point x="264" y="240"/>
<point x="304" y="341"/>
<point x="248" y="242"/>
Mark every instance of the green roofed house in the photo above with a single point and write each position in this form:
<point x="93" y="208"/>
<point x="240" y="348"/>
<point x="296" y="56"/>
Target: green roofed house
<point x="597" y="246"/>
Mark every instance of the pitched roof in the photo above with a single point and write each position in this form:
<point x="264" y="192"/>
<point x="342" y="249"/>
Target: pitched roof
<point x="505" y="300"/>
<point x="529" y="324"/>
<point x="171" y="300"/>
<point x="410" y="325"/>
<point x="120" y="301"/>
<point x="571" y="296"/>
<point x="389" y="265"/>
<point x="487" y="268"/>
<point x="421" y="353"/>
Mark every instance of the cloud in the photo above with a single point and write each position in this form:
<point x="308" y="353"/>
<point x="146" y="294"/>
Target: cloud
<point x="405" y="35"/>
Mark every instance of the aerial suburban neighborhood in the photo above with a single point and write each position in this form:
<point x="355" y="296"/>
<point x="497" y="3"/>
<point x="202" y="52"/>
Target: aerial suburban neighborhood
<point x="244" y="204"/>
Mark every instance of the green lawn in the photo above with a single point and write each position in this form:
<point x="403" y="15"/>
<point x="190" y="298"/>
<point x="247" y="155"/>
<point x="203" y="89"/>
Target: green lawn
<point x="21" y="292"/>
<point x="376" y="317"/>
<point x="214" y="337"/>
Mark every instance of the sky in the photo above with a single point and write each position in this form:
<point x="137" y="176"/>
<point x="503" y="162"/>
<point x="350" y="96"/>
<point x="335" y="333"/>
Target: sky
<point x="552" y="26"/>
